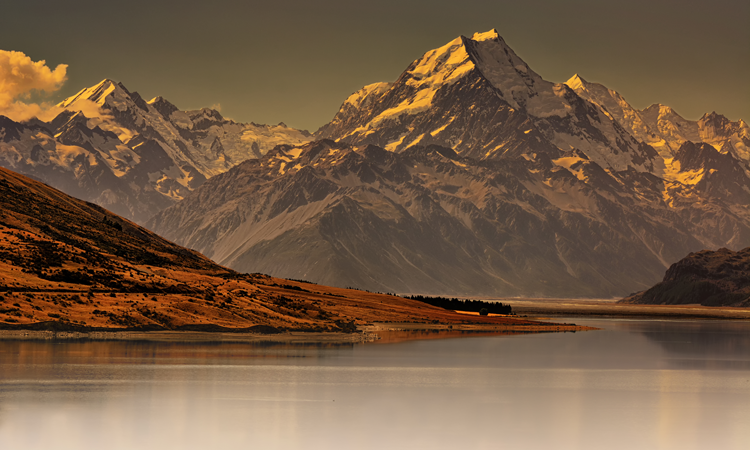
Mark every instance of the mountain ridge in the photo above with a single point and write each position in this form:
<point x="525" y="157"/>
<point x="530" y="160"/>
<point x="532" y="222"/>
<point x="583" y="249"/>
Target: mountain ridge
<point x="437" y="184"/>
<point x="404" y="222"/>
<point x="110" y="146"/>
<point x="518" y="108"/>
<point x="663" y="128"/>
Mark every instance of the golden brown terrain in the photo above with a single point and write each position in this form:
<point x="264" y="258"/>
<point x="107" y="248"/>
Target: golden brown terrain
<point x="69" y="265"/>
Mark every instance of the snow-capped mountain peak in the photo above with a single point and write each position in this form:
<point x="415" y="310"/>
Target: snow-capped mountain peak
<point x="517" y="84"/>
<point x="487" y="36"/>
<point x="105" y="91"/>
<point x="576" y="82"/>
<point x="110" y="146"/>
<point x="484" y="57"/>
<point x="615" y="106"/>
<point x="489" y="54"/>
<point x="478" y="97"/>
<point x="661" y="127"/>
<point x="165" y="108"/>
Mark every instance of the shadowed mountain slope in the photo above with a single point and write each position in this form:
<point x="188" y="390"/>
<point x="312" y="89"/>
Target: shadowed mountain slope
<point x="710" y="278"/>
<point x="428" y="220"/>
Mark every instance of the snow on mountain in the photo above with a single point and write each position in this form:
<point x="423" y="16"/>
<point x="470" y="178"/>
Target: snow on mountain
<point x="619" y="109"/>
<point x="200" y="138"/>
<point x="427" y="220"/>
<point x="146" y="155"/>
<point x="477" y="96"/>
<point x="725" y="135"/>
<point x="662" y="127"/>
<point x="104" y="174"/>
<point x="471" y="174"/>
<point x="359" y="100"/>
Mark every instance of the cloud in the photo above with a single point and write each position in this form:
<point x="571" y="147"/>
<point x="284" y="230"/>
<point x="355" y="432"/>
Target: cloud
<point x="20" y="77"/>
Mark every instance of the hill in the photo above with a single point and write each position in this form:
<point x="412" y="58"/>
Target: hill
<point x="710" y="278"/>
<point x="69" y="264"/>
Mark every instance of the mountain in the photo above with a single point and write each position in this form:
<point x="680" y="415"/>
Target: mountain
<point x="476" y="96"/>
<point x="472" y="175"/>
<point x="663" y="128"/>
<point x="428" y="220"/>
<point x="111" y="147"/>
<point x="710" y="278"/>
<point x="66" y="264"/>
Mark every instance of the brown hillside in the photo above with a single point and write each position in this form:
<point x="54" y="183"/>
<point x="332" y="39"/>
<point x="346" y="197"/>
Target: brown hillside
<point x="69" y="264"/>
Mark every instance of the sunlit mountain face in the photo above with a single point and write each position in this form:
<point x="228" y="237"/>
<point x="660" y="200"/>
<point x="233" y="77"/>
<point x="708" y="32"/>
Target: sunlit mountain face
<point x="471" y="174"/>
<point x="132" y="156"/>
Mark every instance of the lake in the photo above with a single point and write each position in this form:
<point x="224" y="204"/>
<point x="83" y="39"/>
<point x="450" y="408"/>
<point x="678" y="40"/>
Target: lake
<point x="633" y="385"/>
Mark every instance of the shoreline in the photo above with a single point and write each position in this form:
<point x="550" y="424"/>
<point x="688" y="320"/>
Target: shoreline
<point x="542" y="311"/>
<point x="292" y="337"/>
<point x="365" y="334"/>
<point x="549" y="309"/>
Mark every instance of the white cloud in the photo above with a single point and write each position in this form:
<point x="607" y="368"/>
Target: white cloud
<point x="19" y="78"/>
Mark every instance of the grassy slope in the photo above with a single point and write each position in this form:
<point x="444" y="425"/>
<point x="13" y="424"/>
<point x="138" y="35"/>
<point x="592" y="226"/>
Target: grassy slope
<point x="66" y="263"/>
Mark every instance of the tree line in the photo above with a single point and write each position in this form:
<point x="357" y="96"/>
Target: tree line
<point x="464" y="305"/>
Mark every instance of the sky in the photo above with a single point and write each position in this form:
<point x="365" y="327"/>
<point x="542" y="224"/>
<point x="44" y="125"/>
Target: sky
<point x="296" y="61"/>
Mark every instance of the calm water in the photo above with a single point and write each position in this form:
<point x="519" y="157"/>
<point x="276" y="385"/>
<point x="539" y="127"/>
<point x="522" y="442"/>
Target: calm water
<point x="634" y="385"/>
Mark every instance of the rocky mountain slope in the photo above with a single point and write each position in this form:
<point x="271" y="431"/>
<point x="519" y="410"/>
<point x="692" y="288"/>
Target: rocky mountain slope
<point x="113" y="148"/>
<point x="663" y="128"/>
<point x="428" y="220"/>
<point x="473" y="175"/>
<point x="479" y="98"/>
<point x="710" y="278"/>
<point x="66" y="264"/>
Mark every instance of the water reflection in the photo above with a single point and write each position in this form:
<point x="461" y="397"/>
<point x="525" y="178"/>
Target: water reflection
<point x="708" y="344"/>
<point x="627" y="386"/>
<point x="396" y="336"/>
<point x="704" y="345"/>
<point x="150" y="352"/>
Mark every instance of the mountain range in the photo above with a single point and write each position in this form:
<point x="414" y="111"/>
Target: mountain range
<point x="472" y="175"/>
<point x="468" y="175"/>
<point x="111" y="147"/>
